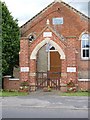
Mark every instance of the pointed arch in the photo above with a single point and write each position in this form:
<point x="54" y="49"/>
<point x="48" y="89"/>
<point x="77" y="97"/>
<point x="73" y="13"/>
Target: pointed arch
<point x="46" y="40"/>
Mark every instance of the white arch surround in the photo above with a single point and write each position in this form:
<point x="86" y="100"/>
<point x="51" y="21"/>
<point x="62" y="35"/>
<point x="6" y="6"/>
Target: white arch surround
<point x="84" y="32"/>
<point x="46" y="40"/>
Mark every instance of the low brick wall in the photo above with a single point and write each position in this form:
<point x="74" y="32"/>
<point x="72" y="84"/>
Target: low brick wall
<point x="84" y="84"/>
<point x="11" y="83"/>
<point x="14" y="84"/>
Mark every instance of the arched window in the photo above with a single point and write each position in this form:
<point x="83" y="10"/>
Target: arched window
<point x="49" y="47"/>
<point x="52" y="48"/>
<point x="85" y="46"/>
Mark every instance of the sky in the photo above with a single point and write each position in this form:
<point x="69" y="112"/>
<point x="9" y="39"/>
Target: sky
<point x="23" y="10"/>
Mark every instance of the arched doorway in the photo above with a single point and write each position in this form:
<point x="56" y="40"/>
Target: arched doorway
<point x="48" y="67"/>
<point x="46" y="70"/>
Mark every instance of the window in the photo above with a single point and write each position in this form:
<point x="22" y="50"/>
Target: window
<point x="52" y="48"/>
<point x="49" y="47"/>
<point x="85" y="46"/>
<point x="32" y="37"/>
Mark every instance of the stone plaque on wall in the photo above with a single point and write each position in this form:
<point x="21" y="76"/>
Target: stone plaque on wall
<point x="47" y="34"/>
<point x="71" y="69"/>
<point x="24" y="69"/>
<point x="57" y="21"/>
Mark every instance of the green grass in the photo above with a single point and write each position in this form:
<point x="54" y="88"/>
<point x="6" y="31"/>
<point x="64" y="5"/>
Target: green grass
<point x="16" y="93"/>
<point x="8" y="94"/>
<point x="79" y="93"/>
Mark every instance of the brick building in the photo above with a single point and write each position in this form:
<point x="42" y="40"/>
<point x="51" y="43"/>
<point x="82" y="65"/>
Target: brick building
<point x="55" y="48"/>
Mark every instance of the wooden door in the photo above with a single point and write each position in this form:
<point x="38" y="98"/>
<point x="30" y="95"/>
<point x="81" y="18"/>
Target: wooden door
<point x="55" y="70"/>
<point x="55" y="62"/>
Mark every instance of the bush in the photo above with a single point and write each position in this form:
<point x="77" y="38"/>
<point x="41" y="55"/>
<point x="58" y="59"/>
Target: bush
<point x="71" y="86"/>
<point x="24" y="83"/>
<point x="24" y="86"/>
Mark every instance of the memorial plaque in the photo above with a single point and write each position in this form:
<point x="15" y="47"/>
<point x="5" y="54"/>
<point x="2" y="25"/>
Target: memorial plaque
<point x="47" y="34"/>
<point x="57" y="21"/>
<point x="71" y="69"/>
<point x="24" y="69"/>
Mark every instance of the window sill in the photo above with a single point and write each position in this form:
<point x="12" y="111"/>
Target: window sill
<point x="86" y="59"/>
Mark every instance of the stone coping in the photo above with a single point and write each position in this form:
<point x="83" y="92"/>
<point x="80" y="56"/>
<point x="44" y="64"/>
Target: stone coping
<point x="84" y="80"/>
<point x="7" y="76"/>
<point x="13" y="79"/>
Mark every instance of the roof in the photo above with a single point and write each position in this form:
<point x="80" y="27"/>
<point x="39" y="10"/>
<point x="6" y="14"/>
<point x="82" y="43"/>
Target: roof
<point x="65" y="4"/>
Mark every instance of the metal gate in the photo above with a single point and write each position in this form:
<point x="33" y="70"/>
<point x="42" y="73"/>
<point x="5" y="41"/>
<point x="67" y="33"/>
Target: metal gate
<point x="45" y="79"/>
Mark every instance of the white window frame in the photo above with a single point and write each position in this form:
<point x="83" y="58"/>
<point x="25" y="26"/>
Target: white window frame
<point x="84" y="58"/>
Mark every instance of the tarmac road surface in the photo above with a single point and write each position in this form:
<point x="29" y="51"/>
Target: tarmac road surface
<point x="45" y="105"/>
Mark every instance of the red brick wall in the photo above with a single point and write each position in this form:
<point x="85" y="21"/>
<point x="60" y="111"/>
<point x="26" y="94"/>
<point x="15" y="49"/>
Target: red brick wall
<point x="24" y="53"/>
<point x="15" y="84"/>
<point x="11" y="84"/>
<point x="74" y="24"/>
<point x="84" y="85"/>
<point x="24" y="58"/>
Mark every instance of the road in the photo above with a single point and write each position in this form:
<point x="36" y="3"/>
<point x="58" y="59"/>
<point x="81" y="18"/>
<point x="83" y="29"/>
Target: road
<point x="44" y="105"/>
<point x="28" y="112"/>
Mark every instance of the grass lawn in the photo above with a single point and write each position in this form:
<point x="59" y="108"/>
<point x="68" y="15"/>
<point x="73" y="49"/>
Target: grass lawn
<point x="8" y="94"/>
<point x="79" y="93"/>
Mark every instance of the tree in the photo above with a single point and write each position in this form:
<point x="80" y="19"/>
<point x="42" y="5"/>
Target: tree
<point x="0" y="47"/>
<point x="10" y="41"/>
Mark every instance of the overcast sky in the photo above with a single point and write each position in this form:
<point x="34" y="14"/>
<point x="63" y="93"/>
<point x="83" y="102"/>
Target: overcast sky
<point x="23" y="10"/>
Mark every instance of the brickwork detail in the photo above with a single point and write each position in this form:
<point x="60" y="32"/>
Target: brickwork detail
<point x="70" y="44"/>
<point x="66" y="37"/>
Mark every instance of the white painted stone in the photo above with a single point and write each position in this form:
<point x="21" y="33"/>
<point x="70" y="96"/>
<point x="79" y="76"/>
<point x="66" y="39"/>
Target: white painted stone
<point x="14" y="79"/>
<point x="83" y="80"/>
<point x="24" y="69"/>
<point x="71" y="69"/>
<point x="47" y="34"/>
<point x="46" y="40"/>
<point x="48" y="21"/>
<point x="58" y="0"/>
